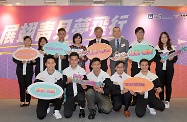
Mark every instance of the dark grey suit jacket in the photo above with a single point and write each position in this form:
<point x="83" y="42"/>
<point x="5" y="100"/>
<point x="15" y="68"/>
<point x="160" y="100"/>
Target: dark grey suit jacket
<point x="124" y="47"/>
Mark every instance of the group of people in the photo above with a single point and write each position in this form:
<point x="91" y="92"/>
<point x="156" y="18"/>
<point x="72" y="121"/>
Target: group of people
<point x="59" y="69"/>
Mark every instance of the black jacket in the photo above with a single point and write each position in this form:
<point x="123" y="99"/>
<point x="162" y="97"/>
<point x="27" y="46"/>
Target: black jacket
<point x="19" y="67"/>
<point x="169" y="64"/>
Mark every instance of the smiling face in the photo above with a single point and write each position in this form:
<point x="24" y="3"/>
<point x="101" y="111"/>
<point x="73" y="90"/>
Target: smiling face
<point x="140" y="35"/>
<point x="120" y="68"/>
<point x="61" y="35"/>
<point x="98" y="33"/>
<point x="27" y="42"/>
<point x="164" y="39"/>
<point x="117" y="32"/>
<point x="78" y="40"/>
<point x="74" y="60"/>
<point x="50" y="64"/>
<point x="144" y="66"/>
<point x="43" y="42"/>
<point x="96" y="66"/>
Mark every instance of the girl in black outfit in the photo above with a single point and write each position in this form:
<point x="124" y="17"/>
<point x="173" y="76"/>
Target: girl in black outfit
<point x="42" y="56"/>
<point x="165" y="69"/>
<point x="24" y="72"/>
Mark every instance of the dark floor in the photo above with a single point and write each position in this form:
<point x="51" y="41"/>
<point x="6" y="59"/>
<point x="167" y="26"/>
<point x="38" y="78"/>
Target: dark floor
<point x="11" y="112"/>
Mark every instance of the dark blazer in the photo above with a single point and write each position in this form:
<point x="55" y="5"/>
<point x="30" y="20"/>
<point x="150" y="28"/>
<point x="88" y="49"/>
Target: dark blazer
<point x="19" y="68"/>
<point x="37" y="68"/>
<point x="169" y="64"/>
<point x="123" y="47"/>
<point x="151" y="93"/>
<point x="104" y="65"/>
<point x="64" y="63"/>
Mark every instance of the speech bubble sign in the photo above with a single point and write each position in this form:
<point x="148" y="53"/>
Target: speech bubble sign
<point x="79" y="79"/>
<point x="25" y="54"/>
<point x="99" y="50"/>
<point x="56" y="47"/>
<point x="45" y="90"/>
<point x="166" y="56"/>
<point x="138" y="84"/>
<point x="139" y="52"/>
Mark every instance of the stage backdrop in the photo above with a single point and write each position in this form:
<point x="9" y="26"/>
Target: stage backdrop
<point x="37" y="21"/>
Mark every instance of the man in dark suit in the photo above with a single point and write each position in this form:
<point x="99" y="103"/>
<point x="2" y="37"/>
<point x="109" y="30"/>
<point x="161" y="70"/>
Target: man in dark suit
<point x="118" y="45"/>
<point x="98" y="31"/>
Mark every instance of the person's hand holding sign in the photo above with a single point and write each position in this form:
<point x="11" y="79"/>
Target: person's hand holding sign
<point x="84" y="86"/>
<point x="62" y="57"/>
<point x="69" y="80"/>
<point x="162" y="61"/>
<point x="56" y="55"/>
<point x="158" y="89"/>
<point x="82" y="57"/>
<point x="23" y="62"/>
<point x="171" y="58"/>
<point x="141" y="93"/>
<point x="124" y="91"/>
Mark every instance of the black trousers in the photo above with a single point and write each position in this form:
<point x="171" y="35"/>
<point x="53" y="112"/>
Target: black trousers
<point x="153" y="102"/>
<point x="119" y="100"/>
<point x="43" y="105"/>
<point x="70" y="102"/>
<point x="165" y="77"/>
<point x="24" y="81"/>
<point x="134" y="71"/>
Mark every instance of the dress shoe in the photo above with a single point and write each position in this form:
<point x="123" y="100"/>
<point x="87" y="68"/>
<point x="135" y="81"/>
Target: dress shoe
<point x="92" y="114"/>
<point x="22" y="105"/>
<point x="127" y="113"/>
<point x="27" y="104"/>
<point x="133" y="103"/>
<point x="118" y="111"/>
<point x="82" y="113"/>
<point x="74" y="107"/>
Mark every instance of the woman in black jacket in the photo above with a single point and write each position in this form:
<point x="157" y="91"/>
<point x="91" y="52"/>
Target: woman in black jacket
<point x="40" y="61"/>
<point x="24" y="72"/>
<point x="165" y="68"/>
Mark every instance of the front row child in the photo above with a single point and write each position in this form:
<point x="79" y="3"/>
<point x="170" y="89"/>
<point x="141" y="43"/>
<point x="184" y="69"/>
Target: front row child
<point x="52" y="76"/>
<point x="74" y="91"/>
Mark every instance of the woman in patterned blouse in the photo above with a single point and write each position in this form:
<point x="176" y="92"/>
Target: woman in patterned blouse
<point x="78" y="47"/>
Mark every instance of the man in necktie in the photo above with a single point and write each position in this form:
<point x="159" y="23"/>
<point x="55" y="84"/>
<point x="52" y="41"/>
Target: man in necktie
<point x="118" y="45"/>
<point x="98" y="31"/>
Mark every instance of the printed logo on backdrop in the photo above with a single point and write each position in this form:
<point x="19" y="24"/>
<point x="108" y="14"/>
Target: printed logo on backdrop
<point x="182" y="16"/>
<point x="158" y="16"/>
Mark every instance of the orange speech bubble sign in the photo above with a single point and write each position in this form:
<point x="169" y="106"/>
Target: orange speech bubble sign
<point x="99" y="50"/>
<point x="25" y="54"/>
<point x="138" y="84"/>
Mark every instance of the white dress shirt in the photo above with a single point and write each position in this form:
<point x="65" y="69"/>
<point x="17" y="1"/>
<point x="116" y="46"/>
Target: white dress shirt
<point x="69" y="72"/>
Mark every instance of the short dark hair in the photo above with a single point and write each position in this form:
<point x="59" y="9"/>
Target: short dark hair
<point x="138" y="29"/>
<point x="94" y="60"/>
<point x="40" y="39"/>
<point x="119" y="62"/>
<point x="116" y="27"/>
<point x="27" y="37"/>
<point x="49" y="57"/>
<point x="97" y="28"/>
<point x="144" y="60"/>
<point x="74" y="54"/>
<point x="77" y="35"/>
<point x="61" y="29"/>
